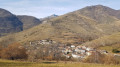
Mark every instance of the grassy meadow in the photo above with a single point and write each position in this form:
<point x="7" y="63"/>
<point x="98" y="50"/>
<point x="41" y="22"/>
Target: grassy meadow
<point x="8" y="63"/>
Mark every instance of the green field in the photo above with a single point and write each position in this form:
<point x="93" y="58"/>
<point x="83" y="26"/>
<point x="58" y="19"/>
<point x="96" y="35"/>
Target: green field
<point x="7" y="63"/>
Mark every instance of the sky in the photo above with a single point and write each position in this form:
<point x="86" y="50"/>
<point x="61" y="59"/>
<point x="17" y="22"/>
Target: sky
<point x="44" y="8"/>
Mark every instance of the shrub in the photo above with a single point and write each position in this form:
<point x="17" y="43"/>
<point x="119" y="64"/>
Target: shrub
<point x="110" y="59"/>
<point x="115" y="51"/>
<point x="14" y="51"/>
<point x="96" y="57"/>
<point x="102" y="59"/>
<point x="0" y="50"/>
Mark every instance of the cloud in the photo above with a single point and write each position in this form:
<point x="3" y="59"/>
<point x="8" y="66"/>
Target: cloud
<point x="38" y="11"/>
<point x="43" y="8"/>
<point x="36" y="8"/>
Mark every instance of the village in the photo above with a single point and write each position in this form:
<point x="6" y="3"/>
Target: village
<point x="71" y="51"/>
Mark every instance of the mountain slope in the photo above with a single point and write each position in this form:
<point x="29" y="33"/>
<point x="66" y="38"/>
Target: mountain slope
<point x="62" y="29"/>
<point x="108" y="43"/>
<point x="107" y="21"/>
<point x="9" y="23"/>
<point x="28" y="21"/>
<point x="76" y="27"/>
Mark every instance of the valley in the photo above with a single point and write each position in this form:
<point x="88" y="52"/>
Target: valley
<point x="89" y="35"/>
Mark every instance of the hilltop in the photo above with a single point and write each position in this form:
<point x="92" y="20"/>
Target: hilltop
<point x="49" y="17"/>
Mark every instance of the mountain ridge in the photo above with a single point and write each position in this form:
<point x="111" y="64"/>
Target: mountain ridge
<point x="9" y="23"/>
<point x="28" y="21"/>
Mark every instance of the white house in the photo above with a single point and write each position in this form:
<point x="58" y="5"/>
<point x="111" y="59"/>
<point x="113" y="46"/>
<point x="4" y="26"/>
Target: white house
<point x="77" y="50"/>
<point x="79" y="47"/>
<point x="84" y="47"/>
<point x="67" y="56"/>
<point x="75" y="56"/>
<point x="89" y="49"/>
<point x="54" y="41"/>
<point x="44" y="40"/>
<point x="82" y="51"/>
<point x="72" y="46"/>
<point x="88" y="53"/>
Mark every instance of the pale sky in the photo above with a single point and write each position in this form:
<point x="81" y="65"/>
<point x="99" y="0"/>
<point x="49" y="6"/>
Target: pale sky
<point x="43" y="8"/>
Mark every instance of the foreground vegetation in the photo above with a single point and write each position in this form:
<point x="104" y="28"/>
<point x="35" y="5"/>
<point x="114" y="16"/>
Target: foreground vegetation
<point x="8" y="63"/>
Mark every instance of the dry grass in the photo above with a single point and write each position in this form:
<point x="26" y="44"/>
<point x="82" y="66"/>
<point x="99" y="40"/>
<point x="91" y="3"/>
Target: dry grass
<point x="8" y="63"/>
<point x="110" y="41"/>
<point x="110" y="48"/>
